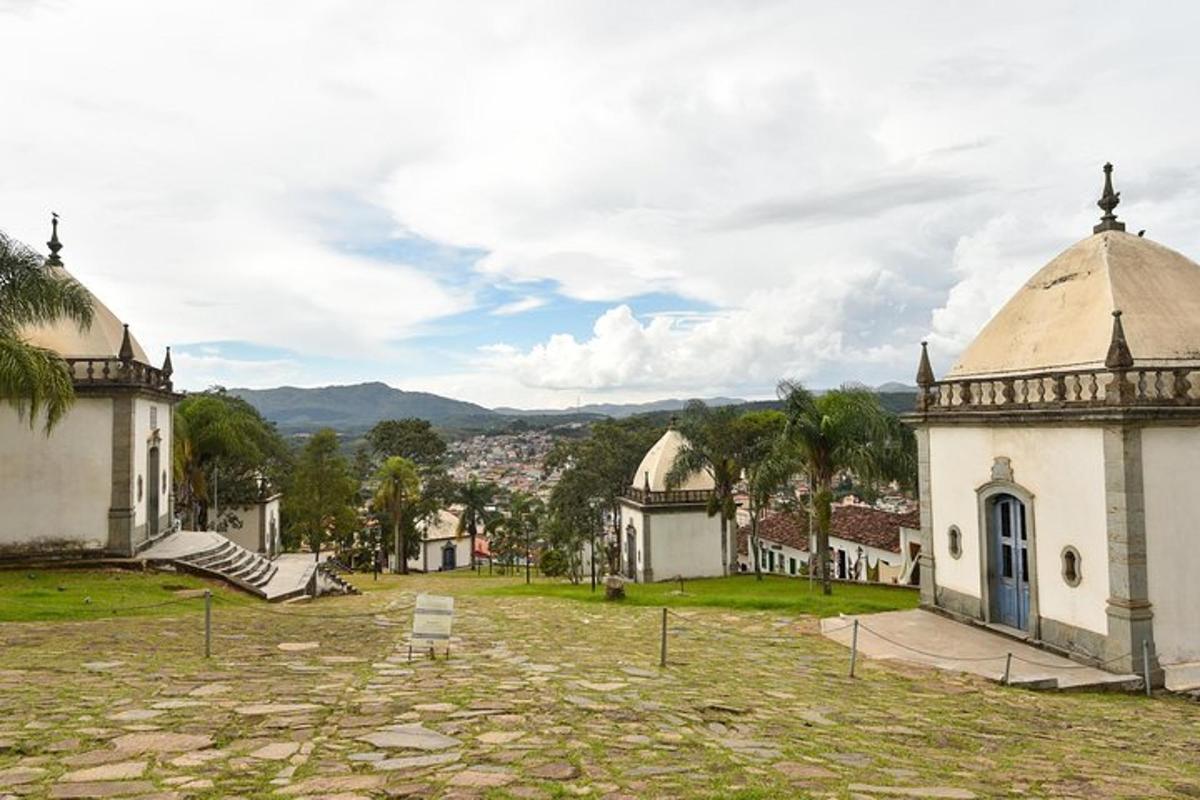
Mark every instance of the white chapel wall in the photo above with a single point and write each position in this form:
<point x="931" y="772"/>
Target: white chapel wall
<point x="1171" y="473"/>
<point x="685" y="543"/>
<point x="1064" y="469"/>
<point x="57" y="487"/>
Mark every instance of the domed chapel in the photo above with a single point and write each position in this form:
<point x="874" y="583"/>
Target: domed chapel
<point x="100" y="480"/>
<point x="1056" y="456"/>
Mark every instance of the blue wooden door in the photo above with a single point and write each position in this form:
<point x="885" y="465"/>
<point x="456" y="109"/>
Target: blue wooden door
<point x="1009" y="570"/>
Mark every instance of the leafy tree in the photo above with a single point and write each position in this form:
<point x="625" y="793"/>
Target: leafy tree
<point x="572" y="519"/>
<point x="606" y="461"/>
<point x="411" y="438"/>
<point x="320" y="502"/>
<point x="841" y="430"/>
<point x="713" y="446"/>
<point x="218" y="433"/>
<point x="476" y="498"/>
<point x="34" y="379"/>
<point x="767" y="465"/>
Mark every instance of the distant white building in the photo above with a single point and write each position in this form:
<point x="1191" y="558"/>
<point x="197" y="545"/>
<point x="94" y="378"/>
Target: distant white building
<point x="442" y="546"/>
<point x="1060" y="455"/>
<point x="667" y="533"/>
<point x="258" y="526"/>
<point x="101" y="480"/>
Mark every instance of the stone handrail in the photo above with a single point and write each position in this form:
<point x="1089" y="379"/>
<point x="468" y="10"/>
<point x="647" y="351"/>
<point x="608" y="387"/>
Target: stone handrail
<point x="1075" y="389"/>
<point x="96" y="372"/>
<point x="668" y="497"/>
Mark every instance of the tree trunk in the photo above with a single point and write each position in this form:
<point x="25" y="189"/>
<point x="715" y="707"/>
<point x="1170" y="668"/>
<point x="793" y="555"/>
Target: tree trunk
<point x="474" y="532"/>
<point x="396" y="539"/>
<point x="754" y="544"/>
<point x="824" y="500"/>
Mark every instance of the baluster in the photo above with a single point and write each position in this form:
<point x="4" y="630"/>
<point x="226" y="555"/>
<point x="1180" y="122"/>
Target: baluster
<point x="965" y="388"/>
<point x="1007" y="390"/>
<point x="1041" y="390"/>
<point x="1139" y="387"/>
<point x="91" y="370"/>
<point x="1060" y="389"/>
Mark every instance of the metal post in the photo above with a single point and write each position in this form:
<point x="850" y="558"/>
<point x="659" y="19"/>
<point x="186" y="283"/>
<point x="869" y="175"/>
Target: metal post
<point x="854" y="648"/>
<point x="662" y="661"/>
<point x="207" y="623"/>
<point x="1008" y="670"/>
<point x="1146" y="664"/>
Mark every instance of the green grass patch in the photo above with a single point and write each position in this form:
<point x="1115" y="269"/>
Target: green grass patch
<point x="83" y="594"/>
<point x="772" y="593"/>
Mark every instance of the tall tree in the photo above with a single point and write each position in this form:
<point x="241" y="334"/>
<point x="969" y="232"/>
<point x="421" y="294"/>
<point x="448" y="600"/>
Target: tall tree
<point x="573" y="520"/>
<point x="411" y="438"/>
<point x="712" y="446"/>
<point x="399" y="494"/>
<point x="841" y="430"/>
<point x="34" y="379"/>
<point x="476" y="498"/>
<point x="766" y="464"/>
<point x="320" y="501"/>
<point x="218" y="433"/>
<point x="522" y="521"/>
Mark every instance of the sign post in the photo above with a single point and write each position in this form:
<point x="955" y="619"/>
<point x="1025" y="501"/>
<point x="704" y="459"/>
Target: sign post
<point x="432" y="620"/>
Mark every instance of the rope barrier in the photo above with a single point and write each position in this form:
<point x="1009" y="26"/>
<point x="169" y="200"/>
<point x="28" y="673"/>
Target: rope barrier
<point x="89" y="609"/>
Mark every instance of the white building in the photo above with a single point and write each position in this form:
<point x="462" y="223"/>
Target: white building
<point x="668" y="532"/>
<point x="865" y="543"/>
<point x="1058" y="458"/>
<point x="101" y="480"/>
<point x="443" y="547"/>
<point x="258" y="526"/>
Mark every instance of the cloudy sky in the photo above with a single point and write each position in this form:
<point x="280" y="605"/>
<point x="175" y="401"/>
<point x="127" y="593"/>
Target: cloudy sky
<point x="537" y="204"/>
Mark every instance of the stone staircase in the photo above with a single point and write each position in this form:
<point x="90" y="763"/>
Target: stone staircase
<point x="218" y="557"/>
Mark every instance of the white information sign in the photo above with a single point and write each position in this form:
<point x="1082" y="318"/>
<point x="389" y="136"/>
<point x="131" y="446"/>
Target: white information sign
<point x="432" y="619"/>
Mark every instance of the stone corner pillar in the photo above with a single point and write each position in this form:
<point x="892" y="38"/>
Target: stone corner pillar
<point x="647" y="562"/>
<point x="925" y="499"/>
<point x="120" y="512"/>
<point x="1129" y="612"/>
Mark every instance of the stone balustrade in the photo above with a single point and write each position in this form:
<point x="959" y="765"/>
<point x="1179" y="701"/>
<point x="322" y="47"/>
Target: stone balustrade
<point x="669" y="497"/>
<point x="113" y="372"/>
<point x="1069" y="389"/>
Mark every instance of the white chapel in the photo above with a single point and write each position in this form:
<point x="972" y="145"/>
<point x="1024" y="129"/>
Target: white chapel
<point x="101" y="480"/>
<point x="1058" y="458"/>
<point x="667" y="530"/>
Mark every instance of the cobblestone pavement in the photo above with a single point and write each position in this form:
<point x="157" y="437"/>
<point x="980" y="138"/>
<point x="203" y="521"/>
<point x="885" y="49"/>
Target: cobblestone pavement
<point x="543" y="699"/>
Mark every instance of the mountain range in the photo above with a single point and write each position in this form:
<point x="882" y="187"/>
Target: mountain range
<point x="355" y="408"/>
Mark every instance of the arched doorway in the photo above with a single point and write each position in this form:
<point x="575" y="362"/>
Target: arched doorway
<point x="448" y="557"/>
<point x="1008" y="562"/>
<point x="153" y="485"/>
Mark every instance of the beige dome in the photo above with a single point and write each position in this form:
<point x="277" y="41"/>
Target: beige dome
<point x="658" y="462"/>
<point x="101" y="340"/>
<point x="1062" y="318"/>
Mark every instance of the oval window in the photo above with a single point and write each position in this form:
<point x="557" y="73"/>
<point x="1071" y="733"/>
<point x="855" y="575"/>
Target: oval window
<point x="954" y="535"/>
<point x="1071" y="566"/>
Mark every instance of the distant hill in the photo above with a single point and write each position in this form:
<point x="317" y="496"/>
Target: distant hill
<point x="358" y="407"/>
<point x="618" y="410"/>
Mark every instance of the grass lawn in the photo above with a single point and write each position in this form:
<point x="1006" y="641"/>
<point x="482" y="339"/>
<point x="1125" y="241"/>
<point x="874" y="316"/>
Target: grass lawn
<point x="772" y="593"/>
<point x="78" y="594"/>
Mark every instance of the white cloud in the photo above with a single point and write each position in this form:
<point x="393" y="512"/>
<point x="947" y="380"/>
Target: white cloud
<point x="837" y="182"/>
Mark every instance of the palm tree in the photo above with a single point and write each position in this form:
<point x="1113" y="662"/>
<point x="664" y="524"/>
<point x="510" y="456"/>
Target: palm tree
<point x="842" y="430"/>
<point x="711" y="447"/>
<point x="399" y="487"/>
<point x="35" y="379"/>
<point x="476" y="498"/>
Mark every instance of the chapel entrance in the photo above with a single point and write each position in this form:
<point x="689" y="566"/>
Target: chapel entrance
<point x="153" y="487"/>
<point x="1008" y="562"/>
<point x="448" y="557"/>
<point x="631" y="553"/>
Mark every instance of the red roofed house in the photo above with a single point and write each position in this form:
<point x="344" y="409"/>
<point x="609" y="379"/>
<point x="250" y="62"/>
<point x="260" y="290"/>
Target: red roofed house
<point x="862" y="540"/>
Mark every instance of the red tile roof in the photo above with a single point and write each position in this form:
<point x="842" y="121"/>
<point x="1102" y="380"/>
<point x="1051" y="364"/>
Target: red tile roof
<point x="861" y="524"/>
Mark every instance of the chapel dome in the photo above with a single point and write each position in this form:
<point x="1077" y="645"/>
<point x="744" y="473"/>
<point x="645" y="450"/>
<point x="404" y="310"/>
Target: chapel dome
<point x="101" y="340"/>
<point x="1062" y="318"/>
<point x="657" y="463"/>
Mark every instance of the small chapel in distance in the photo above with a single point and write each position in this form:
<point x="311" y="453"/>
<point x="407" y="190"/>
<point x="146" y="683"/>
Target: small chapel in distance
<point x="100" y="481"/>
<point x="1057" y="459"/>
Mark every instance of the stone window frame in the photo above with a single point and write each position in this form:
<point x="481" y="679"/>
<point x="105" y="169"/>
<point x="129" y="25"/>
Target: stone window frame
<point x="1072" y="552"/>
<point x="954" y="541"/>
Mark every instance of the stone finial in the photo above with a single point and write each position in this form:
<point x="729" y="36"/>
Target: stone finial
<point x="925" y="369"/>
<point x="167" y="368"/>
<point x="126" y="353"/>
<point x="1119" y="357"/>
<point x="54" y="244"/>
<point x="1108" y="202"/>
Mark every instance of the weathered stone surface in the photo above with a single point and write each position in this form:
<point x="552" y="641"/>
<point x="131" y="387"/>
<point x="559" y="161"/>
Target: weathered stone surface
<point x="928" y="792"/>
<point x="62" y="791"/>
<point x="556" y="771"/>
<point x="120" y="771"/>
<point x="500" y="737"/>
<point x="296" y="647"/>
<point x="264" y="709"/>
<point x="478" y="778"/>
<point x="798" y="770"/>
<point x="16" y="776"/>
<point x="410" y="737"/>
<point x="416" y="762"/>
<point x="135" y="715"/>
<point x="161" y="742"/>
<point x="276" y="751"/>
<point x="331" y="785"/>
